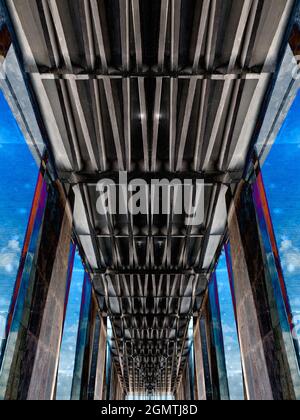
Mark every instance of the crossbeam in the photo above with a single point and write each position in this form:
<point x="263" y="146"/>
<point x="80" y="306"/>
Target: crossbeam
<point x="45" y="73"/>
<point x="150" y="272"/>
<point x="217" y="177"/>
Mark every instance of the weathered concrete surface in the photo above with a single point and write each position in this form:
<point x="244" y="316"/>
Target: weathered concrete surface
<point x="184" y="391"/>
<point x="101" y="363"/>
<point x="265" y="366"/>
<point x="200" y="373"/>
<point x="116" y="390"/>
<point x="218" y="360"/>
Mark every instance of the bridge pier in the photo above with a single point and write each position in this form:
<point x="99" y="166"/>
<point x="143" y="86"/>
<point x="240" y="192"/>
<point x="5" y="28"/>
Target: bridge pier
<point x="116" y="392"/>
<point x="218" y="368"/>
<point x="89" y="369"/>
<point x="210" y="364"/>
<point x="268" y="354"/>
<point x="215" y="373"/>
<point x="183" y="392"/>
<point x="35" y="324"/>
<point x="202" y="371"/>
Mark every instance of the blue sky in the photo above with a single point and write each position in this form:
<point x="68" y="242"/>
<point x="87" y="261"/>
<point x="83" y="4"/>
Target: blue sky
<point x="17" y="183"/>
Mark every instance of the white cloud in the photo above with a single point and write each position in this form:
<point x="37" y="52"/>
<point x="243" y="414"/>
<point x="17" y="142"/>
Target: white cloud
<point x="14" y="245"/>
<point x="10" y="256"/>
<point x="2" y="326"/>
<point x="73" y="329"/>
<point x="290" y="256"/>
<point x="227" y="329"/>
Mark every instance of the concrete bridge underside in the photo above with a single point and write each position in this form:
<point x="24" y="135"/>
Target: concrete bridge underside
<point x="160" y="89"/>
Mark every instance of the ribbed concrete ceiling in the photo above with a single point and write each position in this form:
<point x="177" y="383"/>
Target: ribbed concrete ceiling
<point x="160" y="88"/>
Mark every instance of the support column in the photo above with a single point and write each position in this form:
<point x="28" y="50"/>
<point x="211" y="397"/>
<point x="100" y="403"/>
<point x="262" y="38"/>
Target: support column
<point x="112" y="388"/>
<point x="202" y="372"/>
<point x="268" y="355"/>
<point x="5" y="42"/>
<point x="116" y="392"/>
<point x="97" y="375"/>
<point x="90" y="359"/>
<point x="109" y="367"/>
<point x="180" y="392"/>
<point x="35" y="323"/>
<point x="187" y="384"/>
<point x="215" y="344"/>
<point x="183" y="392"/>
<point x="119" y="390"/>
<point x="84" y="349"/>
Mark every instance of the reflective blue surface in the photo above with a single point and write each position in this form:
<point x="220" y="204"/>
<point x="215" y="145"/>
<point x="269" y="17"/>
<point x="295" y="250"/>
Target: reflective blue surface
<point x="231" y="343"/>
<point x="68" y="349"/>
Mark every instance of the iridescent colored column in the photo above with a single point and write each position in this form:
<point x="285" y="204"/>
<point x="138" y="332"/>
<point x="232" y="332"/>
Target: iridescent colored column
<point x="83" y="347"/>
<point x="216" y="348"/>
<point x="274" y="262"/>
<point x="90" y="358"/>
<point x="262" y="311"/>
<point x="202" y="371"/>
<point x="35" y="322"/>
<point x="282" y="319"/>
<point x="12" y="338"/>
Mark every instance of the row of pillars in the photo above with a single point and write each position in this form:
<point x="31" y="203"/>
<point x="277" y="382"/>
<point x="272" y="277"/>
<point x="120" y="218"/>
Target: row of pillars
<point x="29" y="355"/>
<point x="30" y="351"/>
<point x="269" y="347"/>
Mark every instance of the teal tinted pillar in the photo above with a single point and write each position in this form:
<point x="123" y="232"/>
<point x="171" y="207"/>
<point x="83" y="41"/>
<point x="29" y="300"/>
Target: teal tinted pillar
<point x="269" y="359"/>
<point x="35" y="323"/>
<point x="215" y="344"/>
<point x="83" y="347"/>
<point x="98" y="362"/>
<point x="90" y="359"/>
<point x="203" y="391"/>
